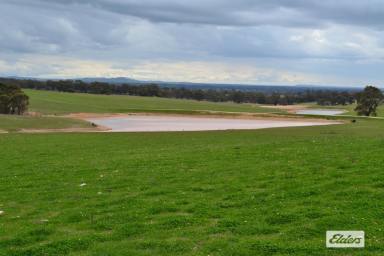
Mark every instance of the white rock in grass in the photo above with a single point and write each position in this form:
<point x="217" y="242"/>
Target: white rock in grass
<point x="83" y="184"/>
<point x="1" y="212"/>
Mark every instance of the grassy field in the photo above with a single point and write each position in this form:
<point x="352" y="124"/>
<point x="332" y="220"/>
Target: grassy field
<point x="16" y="123"/>
<point x="61" y="103"/>
<point x="264" y="192"/>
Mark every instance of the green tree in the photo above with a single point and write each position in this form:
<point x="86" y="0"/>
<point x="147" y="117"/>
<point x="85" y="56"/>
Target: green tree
<point x="368" y="101"/>
<point x="12" y="100"/>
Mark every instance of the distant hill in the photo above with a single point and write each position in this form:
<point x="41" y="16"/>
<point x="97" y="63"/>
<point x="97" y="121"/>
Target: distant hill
<point x="189" y="85"/>
<point x="261" y="94"/>
<point x="115" y="80"/>
<point x="260" y="88"/>
<point x="242" y="87"/>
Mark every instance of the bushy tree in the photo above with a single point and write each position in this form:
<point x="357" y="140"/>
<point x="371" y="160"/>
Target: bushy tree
<point x="12" y="100"/>
<point x="368" y="101"/>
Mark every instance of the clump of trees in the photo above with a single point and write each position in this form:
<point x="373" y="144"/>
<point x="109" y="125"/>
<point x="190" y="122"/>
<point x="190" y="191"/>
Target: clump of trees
<point x="12" y="100"/>
<point x="368" y="101"/>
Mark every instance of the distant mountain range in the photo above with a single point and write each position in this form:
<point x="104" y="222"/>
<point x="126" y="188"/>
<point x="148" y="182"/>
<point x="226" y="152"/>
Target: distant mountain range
<point x="189" y="85"/>
<point x="115" y="80"/>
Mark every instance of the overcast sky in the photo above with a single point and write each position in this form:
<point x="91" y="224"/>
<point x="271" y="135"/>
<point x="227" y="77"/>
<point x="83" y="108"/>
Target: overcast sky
<point x="225" y="41"/>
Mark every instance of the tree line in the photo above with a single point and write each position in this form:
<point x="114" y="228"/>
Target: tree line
<point x="322" y="97"/>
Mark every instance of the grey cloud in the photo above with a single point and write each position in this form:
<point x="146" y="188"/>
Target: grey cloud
<point x="286" y="13"/>
<point x="267" y="32"/>
<point x="83" y="27"/>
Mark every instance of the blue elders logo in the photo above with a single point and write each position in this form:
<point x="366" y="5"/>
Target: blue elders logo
<point x="345" y="239"/>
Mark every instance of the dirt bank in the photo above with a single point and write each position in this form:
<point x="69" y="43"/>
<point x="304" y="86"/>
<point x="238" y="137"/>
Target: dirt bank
<point x="96" y="129"/>
<point x="289" y="108"/>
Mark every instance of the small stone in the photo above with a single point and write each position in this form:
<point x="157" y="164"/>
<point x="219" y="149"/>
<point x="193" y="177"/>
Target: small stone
<point x="83" y="184"/>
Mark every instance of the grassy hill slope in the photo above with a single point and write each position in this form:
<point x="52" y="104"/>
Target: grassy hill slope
<point x="60" y="103"/>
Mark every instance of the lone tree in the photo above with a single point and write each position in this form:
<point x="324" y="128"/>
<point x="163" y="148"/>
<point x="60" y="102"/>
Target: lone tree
<point x="13" y="100"/>
<point x="368" y="101"/>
